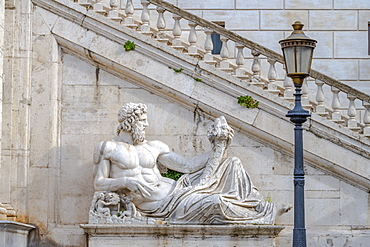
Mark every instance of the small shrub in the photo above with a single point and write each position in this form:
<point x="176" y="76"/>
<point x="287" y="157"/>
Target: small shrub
<point x="178" y="70"/>
<point x="129" y="46"/>
<point x="248" y="101"/>
<point x="198" y="79"/>
<point x="172" y="174"/>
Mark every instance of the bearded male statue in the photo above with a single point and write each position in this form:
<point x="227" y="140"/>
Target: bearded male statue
<point x="213" y="190"/>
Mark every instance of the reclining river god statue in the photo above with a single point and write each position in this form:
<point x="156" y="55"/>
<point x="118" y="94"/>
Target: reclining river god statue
<point x="214" y="189"/>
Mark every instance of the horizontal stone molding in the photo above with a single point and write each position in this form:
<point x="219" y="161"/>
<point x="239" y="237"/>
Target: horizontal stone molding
<point x="15" y="227"/>
<point x="248" y="231"/>
<point x="181" y="235"/>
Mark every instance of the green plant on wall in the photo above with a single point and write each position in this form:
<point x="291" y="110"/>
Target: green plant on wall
<point x="129" y="46"/>
<point x="248" y="101"/>
<point x="198" y="79"/>
<point x="268" y="198"/>
<point x="120" y="213"/>
<point x="178" y="70"/>
<point x="172" y="174"/>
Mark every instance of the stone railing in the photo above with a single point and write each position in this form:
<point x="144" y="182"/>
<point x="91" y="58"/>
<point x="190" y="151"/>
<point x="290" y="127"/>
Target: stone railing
<point x="321" y="94"/>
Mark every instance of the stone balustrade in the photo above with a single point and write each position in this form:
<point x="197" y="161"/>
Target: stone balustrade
<point x="321" y="94"/>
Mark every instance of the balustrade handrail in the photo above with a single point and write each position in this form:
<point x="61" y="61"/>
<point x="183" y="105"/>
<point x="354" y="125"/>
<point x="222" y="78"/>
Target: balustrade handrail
<point x="254" y="46"/>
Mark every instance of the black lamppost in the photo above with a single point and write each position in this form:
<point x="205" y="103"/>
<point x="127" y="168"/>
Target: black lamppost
<point x="298" y="51"/>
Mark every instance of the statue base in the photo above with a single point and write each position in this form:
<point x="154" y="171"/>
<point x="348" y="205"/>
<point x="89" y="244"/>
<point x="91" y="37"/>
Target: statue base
<point x="14" y="234"/>
<point x="181" y="235"/>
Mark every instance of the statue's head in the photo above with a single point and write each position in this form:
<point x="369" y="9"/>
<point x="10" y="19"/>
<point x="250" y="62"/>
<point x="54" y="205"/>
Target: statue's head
<point x="126" y="199"/>
<point x="132" y="118"/>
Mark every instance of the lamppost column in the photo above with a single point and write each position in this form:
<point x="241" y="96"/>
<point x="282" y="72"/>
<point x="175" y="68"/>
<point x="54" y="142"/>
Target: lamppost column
<point x="298" y="116"/>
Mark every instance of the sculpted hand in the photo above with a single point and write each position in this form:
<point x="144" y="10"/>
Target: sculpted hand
<point x="135" y="185"/>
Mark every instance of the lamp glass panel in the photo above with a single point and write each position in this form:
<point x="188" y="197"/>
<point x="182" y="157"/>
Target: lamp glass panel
<point x="303" y="59"/>
<point x="298" y="59"/>
<point x="289" y="59"/>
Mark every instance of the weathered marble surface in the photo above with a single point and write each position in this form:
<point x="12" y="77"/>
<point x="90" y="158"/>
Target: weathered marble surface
<point x="182" y="236"/>
<point x="14" y="234"/>
<point x="214" y="189"/>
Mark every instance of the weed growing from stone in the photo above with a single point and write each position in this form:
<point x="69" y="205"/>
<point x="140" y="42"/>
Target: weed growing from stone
<point x="172" y="174"/>
<point x="129" y="46"/>
<point x="248" y="101"/>
<point x="178" y="70"/>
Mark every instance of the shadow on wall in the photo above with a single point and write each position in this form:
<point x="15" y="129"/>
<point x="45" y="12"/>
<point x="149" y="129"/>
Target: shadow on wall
<point x="36" y="240"/>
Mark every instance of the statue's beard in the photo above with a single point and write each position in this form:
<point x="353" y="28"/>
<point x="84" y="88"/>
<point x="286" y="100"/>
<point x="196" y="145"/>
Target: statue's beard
<point x="137" y="135"/>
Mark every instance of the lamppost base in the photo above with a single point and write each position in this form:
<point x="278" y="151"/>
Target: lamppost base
<point x="299" y="237"/>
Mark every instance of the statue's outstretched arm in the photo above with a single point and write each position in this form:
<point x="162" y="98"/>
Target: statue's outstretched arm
<point x="181" y="164"/>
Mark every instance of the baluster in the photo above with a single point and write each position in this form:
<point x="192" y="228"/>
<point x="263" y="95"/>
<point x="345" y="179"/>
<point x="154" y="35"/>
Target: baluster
<point x="145" y="18"/>
<point x="193" y="38"/>
<point x="161" y="25"/>
<point x="240" y="70"/>
<point x="176" y="42"/>
<point x="224" y="53"/>
<point x="288" y="85"/>
<point x="304" y="99"/>
<point x="113" y="13"/>
<point x="121" y="9"/>
<point x="336" y="116"/>
<point x="272" y="75"/>
<point x="208" y="47"/>
<point x="256" y="68"/>
<point x="320" y="98"/>
<point x="85" y="3"/>
<point x="366" y="118"/>
<point x="352" y="113"/>
<point x="129" y="11"/>
<point x="98" y="7"/>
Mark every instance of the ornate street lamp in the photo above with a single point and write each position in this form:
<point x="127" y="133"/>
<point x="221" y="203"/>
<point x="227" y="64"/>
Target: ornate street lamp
<point x="298" y="51"/>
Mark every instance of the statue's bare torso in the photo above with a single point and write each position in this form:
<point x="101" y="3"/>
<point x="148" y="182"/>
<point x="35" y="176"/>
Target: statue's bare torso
<point x="138" y="162"/>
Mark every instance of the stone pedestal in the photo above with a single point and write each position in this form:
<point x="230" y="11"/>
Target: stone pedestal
<point x="181" y="235"/>
<point x="3" y="214"/>
<point x="14" y="234"/>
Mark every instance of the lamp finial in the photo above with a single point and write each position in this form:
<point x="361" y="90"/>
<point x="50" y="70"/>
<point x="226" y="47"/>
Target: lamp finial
<point x="297" y="26"/>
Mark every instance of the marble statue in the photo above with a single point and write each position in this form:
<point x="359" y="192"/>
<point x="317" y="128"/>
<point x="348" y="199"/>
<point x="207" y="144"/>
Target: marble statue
<point x="214" y="189"/>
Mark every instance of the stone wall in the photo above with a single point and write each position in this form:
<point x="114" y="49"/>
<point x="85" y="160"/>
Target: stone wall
<point x="2" y="18"/>
<point x="15" y="106"/>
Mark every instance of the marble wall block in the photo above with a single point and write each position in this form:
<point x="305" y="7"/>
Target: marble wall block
<point x="256" y="4"/>
<point x="333" y="20"/>
<point x="282" y="20"/>
<point x="304" y="4"/>
<point x="355" y="4"/>
<point x="344" y="44"/>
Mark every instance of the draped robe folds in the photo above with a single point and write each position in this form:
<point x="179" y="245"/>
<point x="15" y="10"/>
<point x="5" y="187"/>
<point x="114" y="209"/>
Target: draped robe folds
<point x="227" y="197"/>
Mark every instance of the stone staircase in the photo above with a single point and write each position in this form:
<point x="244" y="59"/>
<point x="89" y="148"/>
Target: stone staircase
<point x="336" y="137"/>
<point x="340" y="121"/>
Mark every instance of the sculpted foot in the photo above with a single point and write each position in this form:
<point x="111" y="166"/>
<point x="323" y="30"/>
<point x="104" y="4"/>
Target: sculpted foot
<point x="283" y="208"/>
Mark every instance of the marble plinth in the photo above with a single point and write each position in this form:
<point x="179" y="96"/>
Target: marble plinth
<point x="181" y="235"/>
<point x="14" y="234"/>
